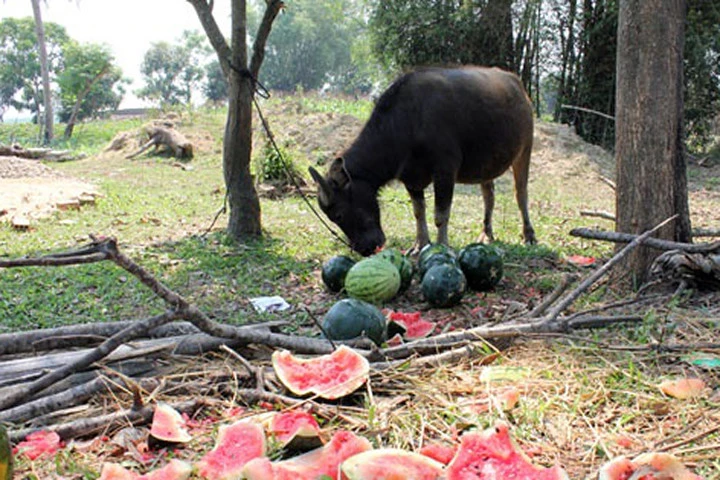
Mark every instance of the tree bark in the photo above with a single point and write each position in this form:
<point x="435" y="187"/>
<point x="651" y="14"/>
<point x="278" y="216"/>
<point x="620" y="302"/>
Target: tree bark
<point x="651" y="168"/>
<point x="245" y="214"/>
<point x="42" y="53"/>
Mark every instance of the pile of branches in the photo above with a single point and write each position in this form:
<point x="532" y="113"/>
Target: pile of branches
<point x="42" y="387"/>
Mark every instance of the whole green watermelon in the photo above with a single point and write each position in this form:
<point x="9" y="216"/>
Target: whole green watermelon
<point x="482" y="265"/>
<point x="436" y="259"/>
<point x="334" y="272"/>
<point x="373" y="279"/>
<point x="431" y="249"/>
<point x="350" y="318"/>
<point x="443" y="285"/>
<point x="402" y="263"/>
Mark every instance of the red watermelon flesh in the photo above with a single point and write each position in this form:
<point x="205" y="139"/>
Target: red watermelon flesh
<point x="168" y="425"/>
<point x="324" y="461"/>
<point x="174" y="470"/>
<point x="647" y="466"/>
<point x="439" y="452"/>
<point x="111" y="471"/>
<point x="296" y="431"/>
<point x="413" y="324"/>
<point x="391" y="464"/>
<point x="491" y="455"/>
<point x="235" y="446"/>
<point x="329" y="376"/>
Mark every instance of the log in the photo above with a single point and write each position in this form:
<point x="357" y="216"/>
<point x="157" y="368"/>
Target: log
<point x="39" y="153"/>
<point x="175" y="141"/>
<point x="656" y="243"/>
<point x="696" y="269"/>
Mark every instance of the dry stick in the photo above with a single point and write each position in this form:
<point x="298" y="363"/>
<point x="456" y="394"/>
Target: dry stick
<point x="554" y="295"/>
<point x="53" y="261"/>
<point x="91" y="357"/>
<point x="94" y="425"/>
<point x="600" y="272"/>
<point x="657" y="243"/>
<point x="597" y="213"/>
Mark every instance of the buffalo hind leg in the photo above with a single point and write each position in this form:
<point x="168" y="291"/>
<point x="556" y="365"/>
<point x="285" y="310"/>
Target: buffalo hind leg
<point x="488" y="193"/>
<point x="521" y="170"/>
<point x="443" y="203"/>
<point x="422" y="236"/>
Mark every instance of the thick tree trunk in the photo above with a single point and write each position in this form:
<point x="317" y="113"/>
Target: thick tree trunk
<point x="651" y="170"/>
<point x="42" y="53"/>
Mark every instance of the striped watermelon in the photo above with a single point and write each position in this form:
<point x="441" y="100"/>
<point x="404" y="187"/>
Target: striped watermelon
<point x="373" y="279"/>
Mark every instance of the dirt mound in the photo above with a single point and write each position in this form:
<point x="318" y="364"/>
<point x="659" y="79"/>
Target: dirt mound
<point x="31" y="190"/>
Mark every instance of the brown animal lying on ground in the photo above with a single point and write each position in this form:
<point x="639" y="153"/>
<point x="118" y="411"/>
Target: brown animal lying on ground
<point x="439" y="126"/>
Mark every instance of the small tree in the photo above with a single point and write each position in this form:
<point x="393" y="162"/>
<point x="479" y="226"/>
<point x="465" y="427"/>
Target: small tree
<point x="44" y="71"/>
<point x="86" y="65"/>
<point x="240" y="75"/>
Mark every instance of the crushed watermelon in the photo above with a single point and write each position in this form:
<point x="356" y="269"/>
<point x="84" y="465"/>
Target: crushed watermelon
<point x="38" y="444"/>
<point x="236" y="444"/>
<point x="412" y="324"/>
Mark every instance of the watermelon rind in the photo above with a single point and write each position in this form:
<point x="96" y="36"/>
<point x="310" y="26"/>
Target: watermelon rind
<point x="168" y="425"/>
<point x="334" y="271"/>
<point x="391" y="463"/>
<point x="351" y="318"/>
<point x="329" y="376"/>
<point x="482" y="265"/>
<point x="402" y="263"/>
<point x="236" y="444"/>
<point x="373" y="280"/>
<point x="296" y="431"/>
<point x="440" y="258"/>
<point x="317" y="464"/>
<point x="443" y="285"/>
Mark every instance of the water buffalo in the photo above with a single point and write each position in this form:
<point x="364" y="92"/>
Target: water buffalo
<point x="439" y="126"/>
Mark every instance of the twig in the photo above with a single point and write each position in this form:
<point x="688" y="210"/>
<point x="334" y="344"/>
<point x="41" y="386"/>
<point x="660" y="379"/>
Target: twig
<point x="554" y="295"/>
<point x="588" y="110"/>
<point x="657" y="243"/>
<point x="597" y="213"/>
<point x="600" y="272"/>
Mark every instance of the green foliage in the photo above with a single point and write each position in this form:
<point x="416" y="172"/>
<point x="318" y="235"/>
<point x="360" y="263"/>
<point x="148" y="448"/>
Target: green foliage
<point x="276" y="167"/>
<point x="215" y="86"/>
<point x="314" y="43"/>
<point x="408" y="33"/>
<point x="89" y="82"/>
<point x="20" y="81"/>
<point x="172" y="71"/>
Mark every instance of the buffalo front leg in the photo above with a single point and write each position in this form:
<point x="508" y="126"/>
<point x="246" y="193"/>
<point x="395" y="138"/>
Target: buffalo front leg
<point x="422" y="237"/>
<point x="443" y="203"/>
<point x="488" y="193"/>
<point x="521" y="170"/>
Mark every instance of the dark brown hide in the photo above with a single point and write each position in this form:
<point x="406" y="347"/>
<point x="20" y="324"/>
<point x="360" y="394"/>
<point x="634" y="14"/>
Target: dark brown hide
<point x="438" y="126"/>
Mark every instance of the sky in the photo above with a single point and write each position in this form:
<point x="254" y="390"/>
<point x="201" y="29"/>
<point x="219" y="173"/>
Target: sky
<point x="129" y="27"/>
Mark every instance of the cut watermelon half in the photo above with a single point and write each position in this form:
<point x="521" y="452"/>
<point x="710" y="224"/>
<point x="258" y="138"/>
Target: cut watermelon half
<point x="410" y="325"/>
<point x="391" y="464"/>
<point x="320" y="463"/>
<point x="330" y="376"/>
<point x="236" y="444"/>
<point x="491" y="455"/>
<point x="647" y="466"/>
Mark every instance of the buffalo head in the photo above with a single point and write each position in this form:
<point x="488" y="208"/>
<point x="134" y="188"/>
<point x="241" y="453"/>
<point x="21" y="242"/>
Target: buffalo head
<point x="351" y="204"/>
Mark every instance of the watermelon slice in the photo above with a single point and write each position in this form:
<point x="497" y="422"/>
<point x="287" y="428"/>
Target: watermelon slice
<point x="439" y="452"/>
<point x="320" y="463"/>
<point x="411" y="325"/>
<point x="329" y="376"/>
<point x="491" y="455"/>
<point x="235" y="446"/>
<point x="168" y="425"/>
<point x="174" y="470"/>
<point x="295" y="430"/>
<point x="391" y="464"/>
<point x="112" y="471"/>
<point x="647" y="466"/>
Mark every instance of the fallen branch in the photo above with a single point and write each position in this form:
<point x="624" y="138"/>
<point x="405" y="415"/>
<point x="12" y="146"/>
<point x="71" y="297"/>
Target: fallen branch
<point x="38" y="153"/>
<point x="656" y="243"/>
<point x="597" y="213"/>
<point x="163" y="136"/>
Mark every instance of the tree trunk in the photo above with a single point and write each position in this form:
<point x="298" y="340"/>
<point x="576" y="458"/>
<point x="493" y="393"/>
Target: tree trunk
<point x="651" y="169"/>
<point x="42" y="51"/>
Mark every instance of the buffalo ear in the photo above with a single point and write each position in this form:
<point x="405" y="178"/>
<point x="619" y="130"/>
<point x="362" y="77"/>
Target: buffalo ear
<point x="324" y="190"/>
<point x="338" y="174"/>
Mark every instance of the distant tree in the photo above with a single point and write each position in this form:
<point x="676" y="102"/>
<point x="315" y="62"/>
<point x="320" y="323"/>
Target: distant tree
<point x="20" y="75"/>
<point x="311" y="46"/>
<point x="83" y="93"/>
<point x="172" y="71"/>
<point x="651" y="172"/>
<point x="48" y="115"/>
<point x="241" y="73"/>
<point x="215" y="87"/>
